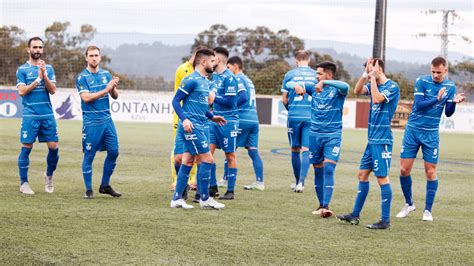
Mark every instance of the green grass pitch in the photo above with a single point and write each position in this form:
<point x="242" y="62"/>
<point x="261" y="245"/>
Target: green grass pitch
<point x="270" y="227"/>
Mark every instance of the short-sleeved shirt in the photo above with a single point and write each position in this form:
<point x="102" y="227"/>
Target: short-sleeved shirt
<point x="98" y="111"/>
<point x="248" y="110"/>
<point x="428" y="119"/>
<point x="327" y="106"/>
<point x="299" y="107"/>
<point x="37" y="103"/>
<point x="196" y="104"/>
<point x="381" y="114"/>
<point x="225" y="84"/>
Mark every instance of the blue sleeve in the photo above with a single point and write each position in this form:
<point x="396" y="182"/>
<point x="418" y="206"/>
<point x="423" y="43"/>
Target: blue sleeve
<point x="226" y="101"/>
<point x="284" y="87"/>
<point x="420" y="103"/>
<point x="450" y="108"/>
<point x="242" y="97"/>
<point x="341" y="86"/>
<point x="51" y="74"/>
<point x="81" y="84"/>
<point x="178" y="97"/>
<point x="20" y="78"/>
<point x="209" y="115"/>
<point x="391" y="93"/>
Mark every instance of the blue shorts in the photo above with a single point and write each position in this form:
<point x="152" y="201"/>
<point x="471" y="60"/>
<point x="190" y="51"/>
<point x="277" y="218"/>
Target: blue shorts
<point x="178" y="142"/>
<point x="298" y="133"/>
<point x="377" y="157"/>
<point x="99" y="137"/>
<point x="324" y="146"/>
<point x="45" y="129"/>
<point x="428" y="141"/>
<point x="196" y="142"/>
<point x="225" y="137"/>
<point x="247" y="135"/>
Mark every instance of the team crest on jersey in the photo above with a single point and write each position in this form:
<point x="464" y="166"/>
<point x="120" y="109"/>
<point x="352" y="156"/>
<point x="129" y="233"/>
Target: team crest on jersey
<point x="25" y="134"/>
<point x="226" y="141"/>
<point x="88" y="146"/>
<point x="29" y="74"/>
<point x="331" y="94"/>
<point x="204" y="144"/>
<point x="104" y="80"/>
<point x="336" y="150"/>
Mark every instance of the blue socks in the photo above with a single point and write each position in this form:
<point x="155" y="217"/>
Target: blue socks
<point x="87" y="169"/>
<point x="52" y="161"/>
<point x="431" y="188"/>
<point x="386" y="201"/>
<point x="231" y="179"/>
<point x="328" y="183"/>
<point x="360" y="198"/>
<point x="203" y="177"/>
<point x="24" y="164"/>
<point x="213" y="180"/>
<point x="109" y="166"/>
<point x="226" y="169"/>
<point x="405" y="182"/>
<point x="304" y="166"/>
<point x="296" y="163"/>
<point x="176" y="168"/>
<point x="181" y="181"/>
<point x="257" y="164"/>
<point x="319" y="183"/>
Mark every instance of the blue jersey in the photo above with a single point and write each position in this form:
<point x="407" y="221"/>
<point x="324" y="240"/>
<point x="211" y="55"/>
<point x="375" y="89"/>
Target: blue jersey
<point x="98" y="111"/>
<point x="380" y="114"/>
<point x="36" y="104"/>
<point x="225" y="84"/>
<point x="196" y="104"/>
<point x="429" y="118"/>
<point x="299" y="107"/>
<point x="248" y="110"/>
<point x="326" y="115"/>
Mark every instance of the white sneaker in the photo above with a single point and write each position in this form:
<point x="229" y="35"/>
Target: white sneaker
<point x="293" y="186"/>
<point x="222" y="183"/>
<point x="48" y="184"/>
<point x="255" y="186"/>
<point x="25" y="189"/>
<point x="427" y="216"/>
<point x="210" y="203"/>
<point x="180" y="203"/>
<point x="299" y="188"/>
<point x="406" y="210"/>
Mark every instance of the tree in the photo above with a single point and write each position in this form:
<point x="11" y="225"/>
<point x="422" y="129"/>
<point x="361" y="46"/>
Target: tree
<point x="13" y="50"/>
<point x="341" y="73"/>
<point x="264" y="52"/>
<point x="65" y="52"/>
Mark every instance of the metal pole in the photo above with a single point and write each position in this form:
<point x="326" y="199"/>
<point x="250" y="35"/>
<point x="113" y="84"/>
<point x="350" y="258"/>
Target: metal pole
<point x="378" y="50"/>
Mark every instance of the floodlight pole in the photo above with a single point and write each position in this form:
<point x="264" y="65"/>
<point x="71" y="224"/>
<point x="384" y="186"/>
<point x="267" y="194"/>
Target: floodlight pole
<point x="378" y="50"/>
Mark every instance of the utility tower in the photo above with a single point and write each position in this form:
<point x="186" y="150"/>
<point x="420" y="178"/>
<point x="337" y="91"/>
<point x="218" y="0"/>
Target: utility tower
<point x="444" y="34"/>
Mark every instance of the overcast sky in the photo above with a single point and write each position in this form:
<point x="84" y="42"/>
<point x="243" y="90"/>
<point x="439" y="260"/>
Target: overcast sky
<point x="339" y="20"/>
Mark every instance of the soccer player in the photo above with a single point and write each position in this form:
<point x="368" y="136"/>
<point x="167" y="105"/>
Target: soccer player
<point x="432" y="94"/>
<point x="384" y="95"/>
<point x="248" y="121"/>
<point x="194" y="113"/>
<point x="94" y="85"/>
<point x="225" y="137"/>
<point x="299" y="118"/>
<point x="35" y="82"/>
<point x="182" y="71"/>
<point x="328" y="98"/>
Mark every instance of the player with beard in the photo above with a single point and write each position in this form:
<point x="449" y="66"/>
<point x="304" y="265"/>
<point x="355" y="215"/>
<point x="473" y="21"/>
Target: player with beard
<point x="35" y="82"/>
<point x="194" y="114"/>
<point x="98" y="132"/>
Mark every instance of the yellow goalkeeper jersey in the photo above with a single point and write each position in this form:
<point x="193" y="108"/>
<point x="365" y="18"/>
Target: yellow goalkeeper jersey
<point x="182" y="71"/>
